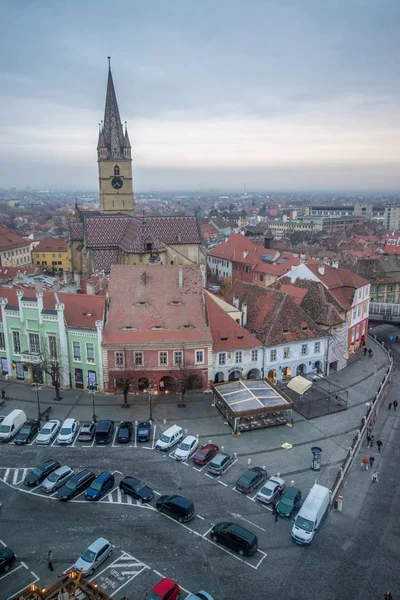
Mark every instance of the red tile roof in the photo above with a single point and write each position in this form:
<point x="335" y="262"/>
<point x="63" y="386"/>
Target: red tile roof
<point x="143" y="298"/>
<point x="208" y="231"/>
<point x="10" y="240"/>
<point x="51" y="245"/>
<point x="341" y="282"/>
<point x="296" y="293"/>
<point x="272" y="316"/>
<point x="390" y="249"/>
<point x="7" y="273"/>
<point x="226" y="333"/>
<point x="236" y="248"/>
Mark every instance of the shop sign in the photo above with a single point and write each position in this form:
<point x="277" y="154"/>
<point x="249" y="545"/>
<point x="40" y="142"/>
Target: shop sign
<point x="237" y="368"/>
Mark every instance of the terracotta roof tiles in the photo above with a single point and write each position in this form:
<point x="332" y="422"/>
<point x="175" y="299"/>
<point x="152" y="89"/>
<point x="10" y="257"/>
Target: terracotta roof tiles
<point x="226" y="333"/>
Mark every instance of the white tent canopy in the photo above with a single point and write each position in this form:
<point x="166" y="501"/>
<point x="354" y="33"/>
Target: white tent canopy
<point x="299" y="384"/>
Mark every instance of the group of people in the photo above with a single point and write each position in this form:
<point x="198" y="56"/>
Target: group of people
<point x="370" y="353"/>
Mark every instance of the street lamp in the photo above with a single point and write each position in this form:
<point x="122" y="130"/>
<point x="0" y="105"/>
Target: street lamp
<point x="38" y="402"/>
<point x="93" y="388"/>
<point x="150" y="391"/>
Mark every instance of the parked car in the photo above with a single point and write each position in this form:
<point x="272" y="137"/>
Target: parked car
<point x="202" y="595"/>
<point x="178" y="507"/>
<point x="186" y="448"/>
<point x="135" y="488"/>
<point x="143" y="431"/>
<point x="7" y="557"/>
<point x="93" y="556"/>
<point x="290" y="502"/>
<point x="272" y="490"/>
<point x="56" y="479"/>
<point x="104" y="432"/>
<point x="124" y="432"/>
<point x="205" y="454"/>
<point x="220" y="463"/>
<point x="77" y="484"/>
<point x="27" y="432"/>
<point x="236" y="537"/>
<point x="40" y="473"/>
<point x="166" y="589"/>
<point x="100" y="486"/>
<point x="86" y="432"/>
<point x="48" y="432"/>
<point x="68" y="431"/>
<point x="251" y="479"/>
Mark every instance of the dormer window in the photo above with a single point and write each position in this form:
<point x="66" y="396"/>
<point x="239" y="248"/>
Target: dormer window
<point x="149" y="247"/>
<point x="116" y="170"/>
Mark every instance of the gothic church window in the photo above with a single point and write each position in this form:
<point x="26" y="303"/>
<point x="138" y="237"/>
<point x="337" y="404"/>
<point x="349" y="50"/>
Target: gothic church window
<point x="116" y="170"/>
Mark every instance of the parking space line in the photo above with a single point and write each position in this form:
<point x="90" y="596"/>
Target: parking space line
<point x="32" y="442"/>
<point x="222" y="483"/>
<point x="3" y="544"/>
<point x="119" y="496"/>
<point x="54" y="442"/>
<point x="129" y="499"/>
<point x="10" y="572"/>
<point x="87" y="445"/>
<point x="114" y="445"/>
<point x="207" y="532"/>
<point x="235" y="490"/>
<point x="252" y="497"/>
<point x="68" y="569"/>
<point x="24" y="588"/>
<point x="128" y="580"/>
<point x="231" y="465"/>
<point x="200" y="517"/>
<point x="199" y="470"/>
<point x="172" y="454"/>
<point x="264" y="555"/>
<point x="6" y="474"/>
<point x="210" y="476"/>
<point x="135" y="436"/>
<point x="154" y="436"/>
<point x="15" y="477"/>
<point x="158" y="493"/>
<point x="76" y="437"/>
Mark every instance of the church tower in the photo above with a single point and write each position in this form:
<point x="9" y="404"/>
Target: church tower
<point x="114" y="158"/>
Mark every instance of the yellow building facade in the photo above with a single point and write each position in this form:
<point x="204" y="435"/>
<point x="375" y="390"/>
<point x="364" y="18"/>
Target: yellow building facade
<point x="51" y="255"/>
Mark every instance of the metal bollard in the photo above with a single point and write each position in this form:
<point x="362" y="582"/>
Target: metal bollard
<point x="340" y="503"/>
<point x="165" y="421"/>
<point x="278" y="474"/>
<point x="292" y="483"/>
<point x="264" y="467"/>
<point x="185" y="431"/>
<point x="222" y="448"/>
<point x="197" y="435"/>
<point x="209" y="441"/>
<point x="136" y="423"/>
<point x="235" y="455"/>
<point x="249" y="461"/>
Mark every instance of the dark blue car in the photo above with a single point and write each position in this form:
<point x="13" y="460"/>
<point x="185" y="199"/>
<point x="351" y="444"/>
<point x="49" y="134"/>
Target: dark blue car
<point x="100" y="486"/>
<point x="143" y="432"/>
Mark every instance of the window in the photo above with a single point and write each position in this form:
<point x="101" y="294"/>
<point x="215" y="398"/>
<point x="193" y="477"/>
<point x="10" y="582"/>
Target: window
<point x="138" y="359"/>
<point x="76" y="348"/>
<point x="163" y="358"/>
<point x="119" y="359"/>
<point x="261" y="277"/>
<point x="354" y="314"/>
<point x="255" y="277"/>
<point x="238" y="356"/>
<point x="222" y="359"/>
<point x="16" y="342"/>
<point x="286" y="352"/>
<point x="254" y="355"/>
<point x="2" y="341"/>
<point x="178" y="358"/>
<point x="53" y="346"/>
<point x="359" y="311"/>
<point x="90" y="352"/>
<point x="272" y="355"/>
<point x="59" y="256"/>
<point x="317" y="347"/>
<point x="34" y="345"/>
<point x="116" y="170"/>
<point x="199" y="356"/>
<point x="352" y="334"/>
<point x="304" y="349"/>
<point x="53" y="256"/>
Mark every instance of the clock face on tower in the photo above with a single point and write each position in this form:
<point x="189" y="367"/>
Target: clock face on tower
<point x="117" y="183"/>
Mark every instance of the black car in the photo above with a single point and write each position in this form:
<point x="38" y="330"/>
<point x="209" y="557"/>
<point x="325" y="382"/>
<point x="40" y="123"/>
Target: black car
<point x="104" y="432"/>
<point x="135" y="488"/>
<point x="7" y="558"/>
<point x="124" y="432"/>
<point x="143" y="431"/>
<point x="235" y="536"/>
<point x="178" y="507"/>
<point x="100" y="486"/>
<point x="39" y="474"/>
<point x="77" y="484"/>
<point x="251" y="479"/>
<point x="27" y="432"/>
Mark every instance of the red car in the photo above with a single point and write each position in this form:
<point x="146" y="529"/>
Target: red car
<point x="205" y="454"/>
<point x="166" y="589"/>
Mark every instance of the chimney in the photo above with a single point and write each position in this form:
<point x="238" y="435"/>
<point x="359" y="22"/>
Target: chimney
<point x="180" y="277"/>
<point x="203" y="275"/>
<point x="90" y="287"/>
<point x="38" y="285"/>
<point x="321" y="269"/>
<point x="244" y="314"/>
<point x="245" y="253"/>
<point x="335" y="264"/>
<point x="236" y="301"/>
<point x="101" y="282"/>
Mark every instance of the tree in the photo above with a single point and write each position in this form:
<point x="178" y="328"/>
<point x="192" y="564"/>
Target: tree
<point x="130" y="374"/>
<point x="187" y="377"/>
<point x="50" y="362"/>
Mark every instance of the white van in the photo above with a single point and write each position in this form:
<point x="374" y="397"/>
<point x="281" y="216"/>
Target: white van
<point x="311" y="514"/>
<point x="169" y="438"/>
<point x="12" y="423"/>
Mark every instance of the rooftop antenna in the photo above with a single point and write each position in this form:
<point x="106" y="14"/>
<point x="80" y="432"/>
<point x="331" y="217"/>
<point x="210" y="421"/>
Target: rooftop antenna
<point x="109" y="62"/>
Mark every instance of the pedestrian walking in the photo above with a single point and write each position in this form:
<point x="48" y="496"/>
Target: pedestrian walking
<point x="370" y="352"/>
<point x="379" y="443"/>
<point x="390" y="405"/>
<point x="395" y="405"/>
<point x="374" y="477"/>
<point x="365" y="350"/>
<point x="388" y="595"/>
<point x="3" y="394"/>
<point x="371" y="461"/>
<point x="275" y="510"/>
<point x="368" y="439"/>
<point x="50" y="560"/>
<point x="397" y="338"/>
<point x="371" y="443"/>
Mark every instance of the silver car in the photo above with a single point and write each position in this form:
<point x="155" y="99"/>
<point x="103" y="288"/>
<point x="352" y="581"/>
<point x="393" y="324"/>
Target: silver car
<point x="48" y="432"/>
<point x="56" y="479"/>
<point x="271" y="490"/>
<point x="220" y="463"/>
<point x="93" y="557"/>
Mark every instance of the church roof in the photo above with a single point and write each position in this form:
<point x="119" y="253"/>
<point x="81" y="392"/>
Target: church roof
<point x="137" y="240"/>
<point x="104" y="259"/>
<point x="175" y="230"/>
<point x="112" y="128"/>
<point x="105" y="231"/>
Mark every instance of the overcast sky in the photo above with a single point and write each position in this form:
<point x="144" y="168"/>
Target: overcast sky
<point x="217" y="93"/>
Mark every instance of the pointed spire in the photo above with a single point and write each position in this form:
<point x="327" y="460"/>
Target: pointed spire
<point x="127" y="143"/>
<point x="101" y="142"/>
<point x="112" y="129"/>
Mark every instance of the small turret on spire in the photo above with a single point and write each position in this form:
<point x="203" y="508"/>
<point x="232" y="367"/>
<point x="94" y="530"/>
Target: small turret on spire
<point x="127" y="143"/>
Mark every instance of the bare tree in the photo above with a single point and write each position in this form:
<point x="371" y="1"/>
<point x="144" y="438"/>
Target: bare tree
<point x="130" y="374"/>
<point x="186" y="378"/>
<point x="50" y="362"/>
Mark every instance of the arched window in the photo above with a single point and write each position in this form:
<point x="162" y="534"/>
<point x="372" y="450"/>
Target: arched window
<point x="116" y="170"/>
